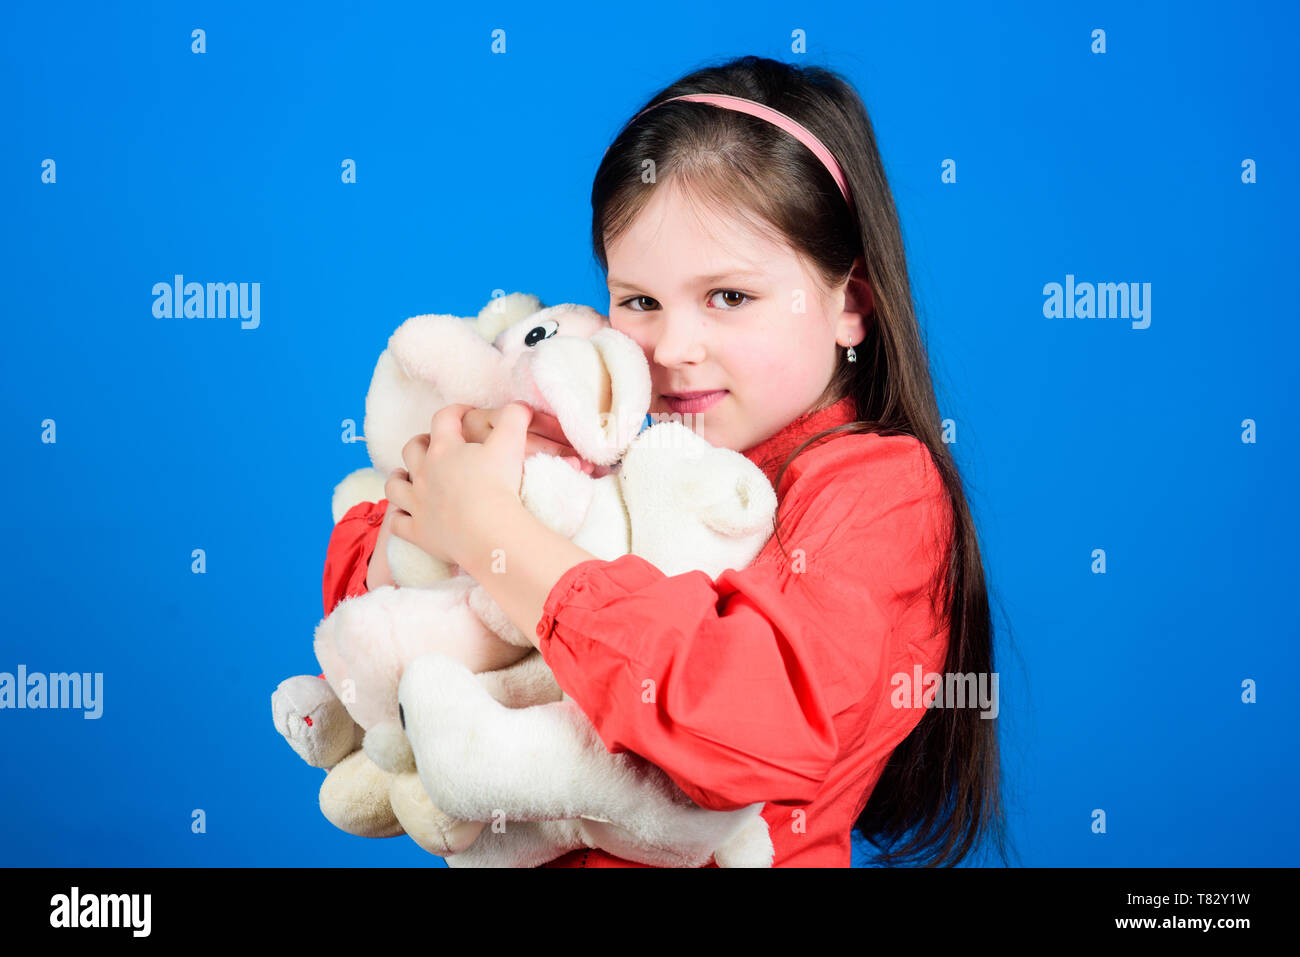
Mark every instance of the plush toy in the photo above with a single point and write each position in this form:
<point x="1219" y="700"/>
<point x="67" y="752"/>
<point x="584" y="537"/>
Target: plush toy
<point x="672" y="496"/>
<point x="543" y="769"/>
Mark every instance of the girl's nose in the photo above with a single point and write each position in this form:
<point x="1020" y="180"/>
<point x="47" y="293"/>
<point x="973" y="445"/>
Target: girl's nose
<point x="680" y="341"/>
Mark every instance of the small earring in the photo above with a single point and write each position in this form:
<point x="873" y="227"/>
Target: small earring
<point x="852" y="355"/>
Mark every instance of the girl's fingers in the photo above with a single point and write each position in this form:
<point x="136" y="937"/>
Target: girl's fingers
<point x="416" y="448"/>
<point x="547" y="426"/>
<point x="545" y="435"/>
<point x="537" y="444"/>
<point x="477" y="424"/>
<point x="544" y="432"/>
<point x="446" y="424"/>
<point x="397" y="490"/>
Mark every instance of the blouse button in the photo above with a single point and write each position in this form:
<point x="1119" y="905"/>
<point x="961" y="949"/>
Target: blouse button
<point x="374" y="518"/>
<point x="578" y="585"/>
<point x="541" y="627"/>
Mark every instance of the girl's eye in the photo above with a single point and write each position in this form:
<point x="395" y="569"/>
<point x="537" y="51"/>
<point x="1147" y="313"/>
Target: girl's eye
<point x="733" y="299"/>
<point x="636" y="299"/>
<point x="732" y="292"/>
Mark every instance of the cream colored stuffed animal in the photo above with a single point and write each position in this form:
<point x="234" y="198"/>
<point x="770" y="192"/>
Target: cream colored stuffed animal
<point x="566" y="361"/>
<point x="543" y="769"/>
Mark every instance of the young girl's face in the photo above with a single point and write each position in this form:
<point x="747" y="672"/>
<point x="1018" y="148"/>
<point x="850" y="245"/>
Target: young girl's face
<point x="719" y="308"/>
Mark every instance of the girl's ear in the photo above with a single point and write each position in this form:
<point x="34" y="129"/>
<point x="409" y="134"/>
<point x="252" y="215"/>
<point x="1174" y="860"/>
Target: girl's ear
<point x="858" y="297"/>
<point x="858" y="306"/>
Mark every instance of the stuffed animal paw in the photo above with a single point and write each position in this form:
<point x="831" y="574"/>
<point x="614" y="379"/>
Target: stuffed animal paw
<point x="309" y="715"/>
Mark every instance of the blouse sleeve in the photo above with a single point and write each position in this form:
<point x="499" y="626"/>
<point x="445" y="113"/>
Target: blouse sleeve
<point x="731" y="686"/>
<point x="347" y="557"/>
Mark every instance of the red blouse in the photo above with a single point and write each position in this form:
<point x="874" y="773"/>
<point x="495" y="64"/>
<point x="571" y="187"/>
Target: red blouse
<point x="772" y="683"/>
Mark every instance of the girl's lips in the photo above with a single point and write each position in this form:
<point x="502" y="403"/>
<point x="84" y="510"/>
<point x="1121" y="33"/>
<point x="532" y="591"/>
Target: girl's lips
<point x="695" y="403"/>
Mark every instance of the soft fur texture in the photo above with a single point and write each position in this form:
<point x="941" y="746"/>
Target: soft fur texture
<point x="441" y="654"/>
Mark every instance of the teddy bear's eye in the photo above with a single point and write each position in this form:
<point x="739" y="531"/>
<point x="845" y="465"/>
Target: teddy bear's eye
<point x="544" y="331"/>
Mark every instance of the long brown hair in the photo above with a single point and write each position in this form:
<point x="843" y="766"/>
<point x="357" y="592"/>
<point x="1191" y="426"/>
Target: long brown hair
<point x="942" y="784"/>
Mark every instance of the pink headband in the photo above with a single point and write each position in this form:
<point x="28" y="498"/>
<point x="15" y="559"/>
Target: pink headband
<point x="791" y="126"/>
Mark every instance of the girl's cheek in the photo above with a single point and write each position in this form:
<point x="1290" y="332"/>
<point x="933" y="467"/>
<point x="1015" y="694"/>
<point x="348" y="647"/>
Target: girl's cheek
<point x="747" y="363"/>
<point x="637" y="334"/>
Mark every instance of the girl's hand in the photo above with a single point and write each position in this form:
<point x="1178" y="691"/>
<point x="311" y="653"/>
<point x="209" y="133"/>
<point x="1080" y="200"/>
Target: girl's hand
<point x="450" y="488"/>
<point x="544" y="435"/>
<point x="378" y="573"/>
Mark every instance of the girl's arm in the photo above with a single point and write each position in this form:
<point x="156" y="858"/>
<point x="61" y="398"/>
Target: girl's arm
<point x="379" y="574"/>
<point x="518" y="561"/>
<point x="732" y="686"/>
<point x="356" y="560"/>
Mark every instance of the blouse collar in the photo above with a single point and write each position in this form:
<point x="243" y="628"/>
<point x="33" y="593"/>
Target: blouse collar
<point x="769" y="454"/>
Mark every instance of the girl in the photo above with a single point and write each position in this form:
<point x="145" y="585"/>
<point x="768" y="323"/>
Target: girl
<point x="751" y="248"/>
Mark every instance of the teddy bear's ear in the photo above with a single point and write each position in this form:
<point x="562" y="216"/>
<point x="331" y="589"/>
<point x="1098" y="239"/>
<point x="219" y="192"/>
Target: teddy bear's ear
<point x="448" y="353"/>
<point x="431" y="361"/>
<point x="505" y="311"/>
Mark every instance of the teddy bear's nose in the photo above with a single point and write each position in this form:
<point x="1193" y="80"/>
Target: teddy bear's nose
<point x="401" y="715"/>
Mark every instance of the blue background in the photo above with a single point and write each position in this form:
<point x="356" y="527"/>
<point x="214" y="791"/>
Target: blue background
<point x="1119" y="691"/>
